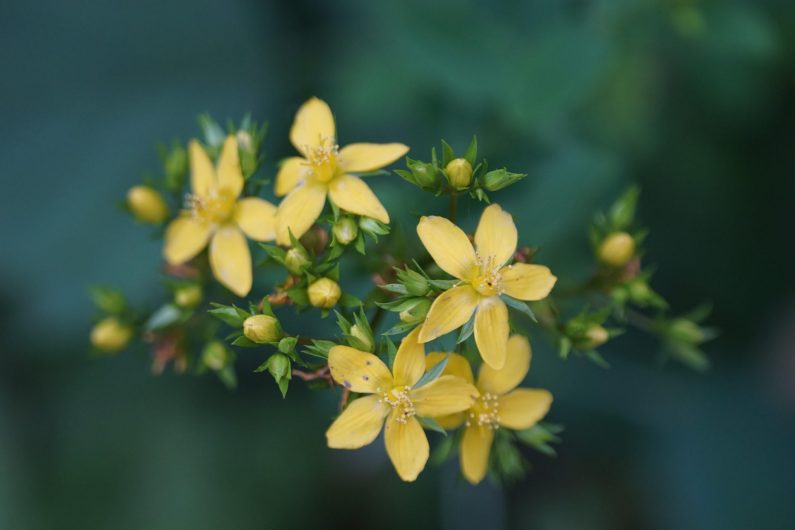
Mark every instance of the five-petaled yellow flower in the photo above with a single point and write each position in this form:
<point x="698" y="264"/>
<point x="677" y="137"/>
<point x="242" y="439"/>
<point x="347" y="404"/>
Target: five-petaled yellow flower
<point x="394" y="398"/>
<point x="323" y="169"/>
<point x="498" y="405"/>
<point x="484" y="276"/>
<point x="215" y="214"/>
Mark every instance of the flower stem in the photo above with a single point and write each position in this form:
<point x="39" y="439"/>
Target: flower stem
<point x="453" y="206"/>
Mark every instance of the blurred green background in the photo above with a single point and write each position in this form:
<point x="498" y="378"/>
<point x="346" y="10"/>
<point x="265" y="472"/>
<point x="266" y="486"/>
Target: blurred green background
<point x="693" y="100"/>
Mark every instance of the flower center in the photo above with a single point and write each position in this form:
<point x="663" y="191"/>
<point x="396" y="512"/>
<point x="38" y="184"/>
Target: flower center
<point x="398" y="398"/>
<point x="322" y="160"/>
<point x="217" y="207"/>
<point x="485" y="412"/>
<point x="487" y="280"/>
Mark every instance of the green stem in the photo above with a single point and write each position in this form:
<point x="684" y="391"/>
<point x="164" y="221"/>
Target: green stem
<point x="453" y="206"/>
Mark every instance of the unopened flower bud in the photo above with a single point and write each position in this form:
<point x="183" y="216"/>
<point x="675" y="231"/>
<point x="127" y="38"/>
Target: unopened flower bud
<point x="147" y="205"/>
<point x="617" y="249"/>
<point x="216" y="356"/>
<point x="416" y="312"/>
<point x="594" y="337"/>
<point x="425" y="175"/>
<point x="365" y="338"/>
<point x="324" y="293"/>
<point x="345" y="230"/>
<point x="262" y="329"/>
<point x="498" y="179"/>
<point x="296" y="259"/>
<point x="110" y="335"/>
<point x="188" y="296"/>
<point x="459" y="173"/>
<point x="686" y="331"/>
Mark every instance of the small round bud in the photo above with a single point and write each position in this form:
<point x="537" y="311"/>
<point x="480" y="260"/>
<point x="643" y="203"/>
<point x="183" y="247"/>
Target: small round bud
<point x="216" y="356"/>
<point x="416" y="312"/>
<point x="459" y="173"/>
<point x="594" y="337"/>
<point x="686" y="331"/>
<point x="262" y="329"/>
<point x="147" y="205"/>
<point x="110" y="335"/>
<point x="424" y="174"/>
<point x="188" y="296"/>
<point x="296" y="260"/>
<point x="616" y="250"/>
<point x="324" y="293"/>
<point x="345" y="230"/>
<point x="363" y="336"/>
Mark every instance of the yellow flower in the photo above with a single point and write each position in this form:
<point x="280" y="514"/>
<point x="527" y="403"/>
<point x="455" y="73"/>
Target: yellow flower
<point x="217" y="215"/>
<point x="394" y="398"/>
<point x="498" y="404"/>
<point x="324" y="169"/>
<point x="484" y="277"/>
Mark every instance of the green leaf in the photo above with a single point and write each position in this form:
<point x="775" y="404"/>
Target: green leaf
<point x="466" y="330"/>
<point x="167" y="315"/>
<point x="431" y="424"/>
<point x="349" y="300"/>
<point x="394" y="288"/>
<point x="319" y="348"/>
<point x="447" y="153"/>
<point x="519" y="306"/>
<point x="244" y="342"/>
<point x="471" y="153"/>
<point x="287" y="345"/>
<point x="108" y="300"/>
<point x="231" y="315"/>
<point x="433" y="373"/>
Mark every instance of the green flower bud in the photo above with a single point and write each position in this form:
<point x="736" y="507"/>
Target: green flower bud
<point x="363" y="336"/>
<point x="296" y="260"/>
<point x="416" y="284"/>
<point x="345" y="230"/>
<point x="216" y="356"/>
<point x="500" y="178"/>
<point x="279" y="366"/>
<point x="425" y="175"/>
<point x="594" y="337"/>
<point x="110" y="335"/>
<point x="188" y="296"/>
<point x="324" y="293"/>
<point x="616" y="250"/>
<point x="262" y="329"/>
<point x="147" y="205"/>
<point x="686" y="330"/>
<point x="459" y="173"/>
<point x="416" y="312"/>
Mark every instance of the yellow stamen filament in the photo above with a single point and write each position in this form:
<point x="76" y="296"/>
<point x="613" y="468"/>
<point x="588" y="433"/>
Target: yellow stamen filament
<point x="485" y="412"/>
<point x="323" y="159"/>
<point x="487" y="280"/>
<point x="398" y="398"/>
<point x="217" y="207"/>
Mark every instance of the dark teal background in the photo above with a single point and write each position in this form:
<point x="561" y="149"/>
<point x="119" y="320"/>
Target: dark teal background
<point x="693" y="100"/>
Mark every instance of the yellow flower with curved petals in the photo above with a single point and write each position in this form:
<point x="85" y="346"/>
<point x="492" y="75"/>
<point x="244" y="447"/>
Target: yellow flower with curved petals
<point x="325" y="169"/>
<point x="393" y="401"/>
<point x="217" y="215"/>
<point x="484" y="275"/>
<point x="499" y="404"/>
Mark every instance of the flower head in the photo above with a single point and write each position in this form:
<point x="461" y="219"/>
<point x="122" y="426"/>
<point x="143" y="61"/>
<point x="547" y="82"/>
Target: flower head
<point x="485" y="276"/>
<point x="499" y="404"/>
<point x="214" y="213"/>
<point x="325" y="169"/>
<point x="394" y="397"/>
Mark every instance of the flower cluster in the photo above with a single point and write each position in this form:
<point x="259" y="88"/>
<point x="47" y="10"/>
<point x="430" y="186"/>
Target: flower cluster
<point x="485" y="285"/>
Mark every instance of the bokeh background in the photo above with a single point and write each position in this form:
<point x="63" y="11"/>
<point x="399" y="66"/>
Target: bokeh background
<point x="692" y="99"/>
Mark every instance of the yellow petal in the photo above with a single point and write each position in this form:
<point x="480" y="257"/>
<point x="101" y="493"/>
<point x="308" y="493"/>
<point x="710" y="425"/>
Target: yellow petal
<point x="291" y="173"/>
<point x="313" y="125"/>
<point x="446" y="395"/>
<point x="369" y="157"/>
<point x="257" y="218"/>
<point x="524" y="407"/>
<point x="517" y="363"/>
<point x="449" y="311"/>
<point x="450" y="422"/>
<point x="185" y="237"/>
<point x="448" y="245"/>
<point x="359" y="424"/>
<point x="496" y="235"/>
<point x="353" y="195"/>
<point x="202" y="172"/>
<point x="407" y="446"/>
<point x="409" y="361"/>
<point x="527" y="282"/>
<point x="491" y="331"/>
<point x="298" y="211"/>
<point x="457" y="365"/>
<point x="475" y="448"/>
<point x="230" y="260"/>
<point x="358" y="371"/>
<point x="230" y="176"/>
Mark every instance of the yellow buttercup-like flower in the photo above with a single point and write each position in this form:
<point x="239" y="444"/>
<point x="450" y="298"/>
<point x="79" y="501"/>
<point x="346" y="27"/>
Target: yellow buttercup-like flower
<point x="500" y="404"/>
<point x="393" y="398"/>
<point x="484" y="275"/>
<point x="324" y="169"/>
<point x="215" y="214"/>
